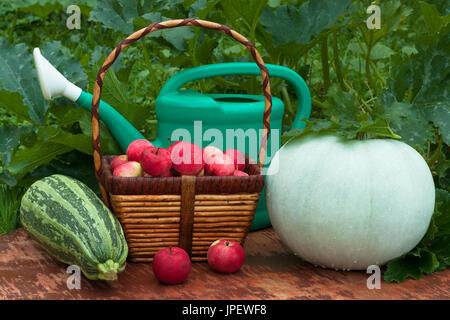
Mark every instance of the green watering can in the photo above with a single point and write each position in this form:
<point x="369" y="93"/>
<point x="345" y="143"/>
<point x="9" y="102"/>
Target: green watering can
<point x="183" y="109"/>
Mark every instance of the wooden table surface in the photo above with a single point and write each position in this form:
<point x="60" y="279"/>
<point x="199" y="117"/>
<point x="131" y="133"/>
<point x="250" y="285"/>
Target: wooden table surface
<point x="270" y="271"/>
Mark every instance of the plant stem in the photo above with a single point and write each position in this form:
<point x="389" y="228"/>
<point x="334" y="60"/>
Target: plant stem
<point x="369" y="76"/>
<point x="325" y="66"/>
<point x="193" y="49"/>
<point x="377" y="73"/>
<point x="364" y="136"/>
<point x="288" y="102"/>
<point x="12" y="27"/>
<point x="317" y="103"/>
<point x="149" y="64"/>
<point x="436" y="153"/>
<point x="100" y="34"/>
<point x="337" y="62"/>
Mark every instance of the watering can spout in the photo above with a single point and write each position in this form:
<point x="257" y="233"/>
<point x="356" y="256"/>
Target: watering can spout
<point x="52" y="82"/>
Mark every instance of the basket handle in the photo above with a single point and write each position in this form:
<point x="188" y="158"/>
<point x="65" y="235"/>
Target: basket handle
<point x="174" y="24"/>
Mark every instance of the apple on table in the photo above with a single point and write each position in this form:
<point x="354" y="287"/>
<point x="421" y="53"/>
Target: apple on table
<point x="226" y="256"/>
<point x="171" y="265"/>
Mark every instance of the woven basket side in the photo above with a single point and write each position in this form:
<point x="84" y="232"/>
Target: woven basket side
<point x="153" y="222"/>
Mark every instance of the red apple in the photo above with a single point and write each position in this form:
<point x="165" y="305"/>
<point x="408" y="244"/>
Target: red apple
<point x="186" y="158"/>
<point x="208" y="152"/>
<point x="156" y="161"/>
<point x="226" y="256"/>
<point x="128" y="169"/>
<point x="171" y="265"/>
<point x="238" y="158"/>
<point x="220" y="165"/>
<point x="240" y="173"/>
<point x="117" y="161"/>
<point x="135" y="149"/>
<point x="169" y="148"/>
<point x="167" y="174"/>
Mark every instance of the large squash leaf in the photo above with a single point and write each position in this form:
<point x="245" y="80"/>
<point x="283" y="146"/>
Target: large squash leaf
<point x="10" y="136"/>
<point x="27" y="159"/>
<point x="119" y="15"/>
<point x="19" y="89"/>
<point x="177" y="36"/>
<point x="289" y="24"/>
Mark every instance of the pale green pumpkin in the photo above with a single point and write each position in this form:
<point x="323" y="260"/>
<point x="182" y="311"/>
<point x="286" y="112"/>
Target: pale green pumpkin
<point x="349" y="204"/>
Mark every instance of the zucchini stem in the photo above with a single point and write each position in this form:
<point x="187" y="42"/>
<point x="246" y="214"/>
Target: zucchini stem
<point x="108" y="270"/>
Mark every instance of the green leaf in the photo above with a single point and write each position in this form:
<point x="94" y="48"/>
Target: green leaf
<point x="406" y="120"/>
<point x="442" y="213"/>
<point x="116" y="94"/>
<point x="380" y="51"/>
<point x="204" y="49"/>
<point x="9" y="208"/>
<point x="441" y="247"/>
<point x="428" y="76"/>
<point x="289" y="24"/>
<point x="401" y="268"/>
<point x="410" y="265"/>
<point x="41" y="8"/>
<point x="119" y="14"/>
<point x="378" y="128"/>
<point x="27" y="159"/>
<point x="73" y="164"/>
<point x="80" y="142"/>
<point x="393" y="18"/>
<point x="429" y="263"/>
<point x="19" y="88"/>
<point x="177" y="36"/>
<point x="66" y="115"/>
<point x="433" y="20"/>
<point x="243" y="16"/>
<point x="439" y="114"/>
<point x="409" y="50"/>
<point x="7" y="178"/>
<point x="10" y="137"/>
<point x="319" y="126"/>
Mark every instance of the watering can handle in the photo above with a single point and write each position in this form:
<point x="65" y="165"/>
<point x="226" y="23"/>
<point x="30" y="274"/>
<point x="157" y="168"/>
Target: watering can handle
<point x="247" y="68"/>
<point x="174" y="24"/>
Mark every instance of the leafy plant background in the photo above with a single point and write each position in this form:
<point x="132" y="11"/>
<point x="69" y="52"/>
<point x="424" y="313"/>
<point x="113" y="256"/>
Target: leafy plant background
<point x="391" y="83"/>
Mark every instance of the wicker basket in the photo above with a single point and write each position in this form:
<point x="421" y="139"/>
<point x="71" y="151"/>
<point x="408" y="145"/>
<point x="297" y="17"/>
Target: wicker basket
<point x="186" y="211"/>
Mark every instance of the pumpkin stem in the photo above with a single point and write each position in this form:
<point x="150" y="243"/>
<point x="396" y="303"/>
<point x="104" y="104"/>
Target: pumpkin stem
<point x="108" y="270"/>
<point x="364" y="136"/>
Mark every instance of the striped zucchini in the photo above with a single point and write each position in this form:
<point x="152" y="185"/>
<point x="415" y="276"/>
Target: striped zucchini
<point x="73" y="225"/>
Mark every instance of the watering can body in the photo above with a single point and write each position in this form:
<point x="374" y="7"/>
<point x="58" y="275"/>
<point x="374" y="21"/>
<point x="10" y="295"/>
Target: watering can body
<point x="227" y="120"/>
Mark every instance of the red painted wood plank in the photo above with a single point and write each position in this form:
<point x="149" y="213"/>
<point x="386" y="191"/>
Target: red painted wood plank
<point x="271" y="271"/>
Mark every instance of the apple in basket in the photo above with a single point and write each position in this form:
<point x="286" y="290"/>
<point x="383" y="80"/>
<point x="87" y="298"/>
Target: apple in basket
<point x="156" y="161"/>
<point x="135" y="149"/>
<point x="117" y="161"/>
<point x="220" y="164"/>
<point x="187" y="158"/>
<point x="128" y="169"/>
<point x="237" y="157"/>
<point x="208" y="152"/>
<point x="226" y="256"/>
<point x="171" y="265"/>
<point x="240" y="173"/>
